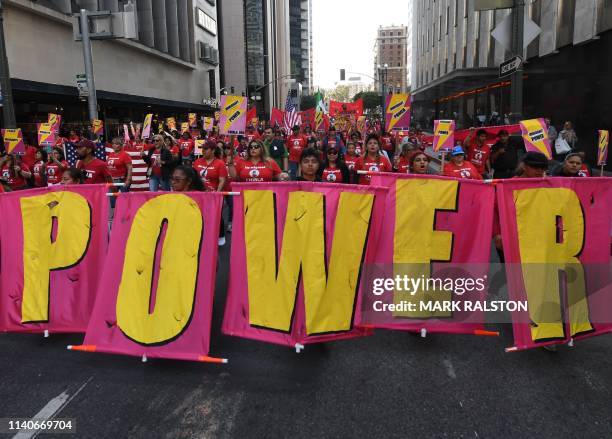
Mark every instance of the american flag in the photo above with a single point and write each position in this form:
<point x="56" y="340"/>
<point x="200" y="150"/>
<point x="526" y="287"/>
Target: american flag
<point x="291" y="117"/>
<point x="140" y="180"/>
<point x="72" y="157"/>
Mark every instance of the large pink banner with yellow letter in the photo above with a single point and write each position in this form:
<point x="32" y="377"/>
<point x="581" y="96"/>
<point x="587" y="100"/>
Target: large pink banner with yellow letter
<point x="156" y="293"/>
<point x="437" y="233"/>
<point x="556" y="236"/>
<point x="298" y="250"/>
<point x="53" y="243"/>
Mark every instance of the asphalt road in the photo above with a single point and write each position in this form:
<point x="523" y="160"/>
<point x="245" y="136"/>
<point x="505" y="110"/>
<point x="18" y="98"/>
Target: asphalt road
<point x="389" y="385"/>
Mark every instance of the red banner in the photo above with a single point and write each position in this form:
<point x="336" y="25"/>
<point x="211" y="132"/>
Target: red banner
<point x="336" y="108"/>
<point x="57" y="240"/>
<point x="308" y="118"/>
<point x="156" y="291"/>
<point x="555" y="234"/>
<point x="277" y="117"/>
<point x="251" y="117"/>
<point x="492" y="133"/>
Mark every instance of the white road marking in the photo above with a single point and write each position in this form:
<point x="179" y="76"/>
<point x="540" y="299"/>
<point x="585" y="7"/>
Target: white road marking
<point x="450" y="370"/>
<point x="49" y="411"/>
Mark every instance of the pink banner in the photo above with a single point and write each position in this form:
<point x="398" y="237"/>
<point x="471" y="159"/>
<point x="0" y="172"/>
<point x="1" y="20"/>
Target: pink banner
<point x="434" y="226"/>
<point x="297" y="254"/>
<point x="53" y="242"/>
<point x="157" y="287"/>
<point x="556" y="238"/>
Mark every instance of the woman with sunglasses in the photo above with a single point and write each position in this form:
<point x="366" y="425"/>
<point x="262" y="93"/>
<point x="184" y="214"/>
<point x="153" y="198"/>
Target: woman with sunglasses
<point x="373" y="160"/>
<point x="334" y="168"/>
<point x="185" y="179"/>
<point x="211" y="169"/>
<point x="160" y="161"/>
<point x="257" y="167"/>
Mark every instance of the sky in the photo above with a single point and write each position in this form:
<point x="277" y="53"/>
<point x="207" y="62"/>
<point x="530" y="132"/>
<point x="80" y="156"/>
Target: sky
<point x="344" y="32"/>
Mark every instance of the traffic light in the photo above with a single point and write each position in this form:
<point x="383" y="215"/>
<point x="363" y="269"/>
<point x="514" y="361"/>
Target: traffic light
<point x="342" y="74"/>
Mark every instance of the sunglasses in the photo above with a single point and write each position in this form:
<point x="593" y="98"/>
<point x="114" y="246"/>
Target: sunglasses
<point x="254" y="147"/>
<point x="332" y="152"/>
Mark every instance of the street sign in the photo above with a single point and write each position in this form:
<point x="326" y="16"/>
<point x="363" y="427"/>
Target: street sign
<point x="510" y="66"/>
<point x="486" y="5"/>
<point x="81" y="83"/>
<point x="503" y="32"/>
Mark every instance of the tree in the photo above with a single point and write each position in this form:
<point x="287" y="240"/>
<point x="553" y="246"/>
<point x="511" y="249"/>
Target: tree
<point x="371" y="99"/>
<point x="340" y="93"/>
<point x="307" y="102"/>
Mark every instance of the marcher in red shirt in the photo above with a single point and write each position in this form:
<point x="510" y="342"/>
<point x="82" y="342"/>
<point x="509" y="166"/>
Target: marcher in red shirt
<point x="388" y="144"/>
<point x="56" y="165"/>
<point x="334" y="168"/>
<point x="212" y="170"/>
<point x="39" y="170"/>
<point x="350" y="159"/>
<point x="419" y="163"/>
<point x="257" y="167"/>
<point x="373" y="160"/>
<point x="186" y="145"/>
<point x="296" y="144"/>
<point x="95" y="170"/>
<point x="401" y="163"/>
<point x="119" y="163"/>
<point x="478" y="152"/>
<point x="74" y="137"/>
<point x="458" y="167"/>
<point x="14" y="173"/>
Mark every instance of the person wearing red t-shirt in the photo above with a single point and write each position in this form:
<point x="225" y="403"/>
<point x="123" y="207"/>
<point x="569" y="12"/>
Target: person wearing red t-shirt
<point x="350" y="160"/>
<point x="478" y="152"/>
<point x="401" y="163"/>
<point x="39" y="169"/>
<point x="56" y="165"/>
<point x="14" y="173"/>
<point x="211" y="169"/>
<point x="95" y="170"/>
<point x="388" y="144"/>
<point x="296" y="143"/>
<point x="419" y="163"/>
<point x="120" y="164"/>
<point x="257" y="167"/>
<point x="74" y="137"/>
<point x="186" y="145"/>
<point x="458" y="167"/>
<point x="373" y="160"/>
<point x="334" y="169"/>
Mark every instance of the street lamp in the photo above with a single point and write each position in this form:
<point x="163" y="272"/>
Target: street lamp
<point x="382" y="74"/>
<point x="5" y="80"/>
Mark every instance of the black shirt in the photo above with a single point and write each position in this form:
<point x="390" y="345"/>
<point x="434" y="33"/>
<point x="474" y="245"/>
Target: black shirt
<point x="506" y="163"/>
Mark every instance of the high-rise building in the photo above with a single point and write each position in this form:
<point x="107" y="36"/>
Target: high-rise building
<point x="255" y="50"/>
<point x="567" y="71"/>
<point x="391" y="50"/>
<point x="171" y="67"/>
<point x="300" y="23"/>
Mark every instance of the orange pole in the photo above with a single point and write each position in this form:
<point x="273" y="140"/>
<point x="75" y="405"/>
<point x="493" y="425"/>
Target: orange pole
<point x="486" y="333"/>
<point x="83" y="348"/>
<point x="207" y="359"/>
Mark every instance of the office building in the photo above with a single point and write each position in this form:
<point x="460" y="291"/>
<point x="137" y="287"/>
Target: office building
<point x="170" y="67"/>
<point x="391" y="49"/>
<point x="300" y="24"/>
<point x="255" y="50"/>
<point x="567" y="71"/>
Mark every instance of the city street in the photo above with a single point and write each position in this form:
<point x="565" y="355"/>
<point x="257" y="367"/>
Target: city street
<point x="389" y="385"/>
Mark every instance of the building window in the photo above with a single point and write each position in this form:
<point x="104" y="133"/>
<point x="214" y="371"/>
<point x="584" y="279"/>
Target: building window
<point x="206" y="22"/>
<point x="212" y="84"/>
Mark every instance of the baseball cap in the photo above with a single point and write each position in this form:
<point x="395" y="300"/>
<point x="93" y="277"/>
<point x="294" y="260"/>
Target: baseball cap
<point x="535" y="160"/>
<point x="457" y="150"/>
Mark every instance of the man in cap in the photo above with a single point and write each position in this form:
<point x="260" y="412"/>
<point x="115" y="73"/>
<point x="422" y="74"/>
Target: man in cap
<point x="94" y="170"/>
